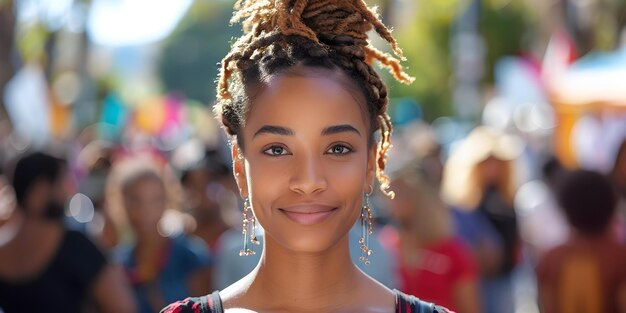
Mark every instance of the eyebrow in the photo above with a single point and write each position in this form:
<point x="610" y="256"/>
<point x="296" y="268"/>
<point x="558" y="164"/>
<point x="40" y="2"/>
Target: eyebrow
<point x="331" y="130"/>
<point x="284" y="131"/>
<point x="276" y="130"/>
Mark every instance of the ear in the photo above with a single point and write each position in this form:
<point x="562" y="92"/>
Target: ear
<point x="372" y="157"/>
<point x="239" y="170"/>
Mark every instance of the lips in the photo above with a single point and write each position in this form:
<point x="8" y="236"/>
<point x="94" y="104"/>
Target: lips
<point x="309" y="214"/>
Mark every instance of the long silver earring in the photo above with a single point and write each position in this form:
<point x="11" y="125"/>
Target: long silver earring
<point x="366" y="229"/>
<point x="248" y="229"/>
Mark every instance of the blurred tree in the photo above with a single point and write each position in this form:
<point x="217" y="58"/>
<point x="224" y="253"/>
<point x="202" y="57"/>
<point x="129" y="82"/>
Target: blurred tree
<point x="7" y="39"/>
<point x="190" y="55"/>
<point x="504" y="25"/>
<point x="425" y="38"/>
<point x="595" y="25"/>
<point x="424" y="35"/>
<point x="189" y="58"/>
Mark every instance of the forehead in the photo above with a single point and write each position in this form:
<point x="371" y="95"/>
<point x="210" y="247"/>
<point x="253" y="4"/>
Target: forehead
<point x="305" y="99"/>
<point x="141" y="183"/>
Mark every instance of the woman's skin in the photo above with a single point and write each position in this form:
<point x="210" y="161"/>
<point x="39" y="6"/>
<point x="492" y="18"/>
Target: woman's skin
<point x="145" y="204"/>
<point x="306" y="150"/>
<point x="619" y="171"/>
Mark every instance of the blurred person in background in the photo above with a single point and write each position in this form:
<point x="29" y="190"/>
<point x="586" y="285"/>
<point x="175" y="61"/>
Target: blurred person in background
<point x="537" y="207"/>
<point x="7" y="206"/>
<point x="44" y="267"/>
<point x="204" y="186"/>
<point x="479" y="183"/>
<point x="206" y="179"/>
<point x="96" y="160"/>
<point x="618" y="178"/>
<point x="161" y="268"/>
<point x="588" y="272"/>
<point x="431" y="261"/>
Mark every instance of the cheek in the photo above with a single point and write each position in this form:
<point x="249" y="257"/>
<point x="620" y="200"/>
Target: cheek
<point x="143" y="213"/>
<point x="398" y="207"/>
<point x="265" y="178"/>
<point x="348" y="178"/>
<point x="134" y="215"/>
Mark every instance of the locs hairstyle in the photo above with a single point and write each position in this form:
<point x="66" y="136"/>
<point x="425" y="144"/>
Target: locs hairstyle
<point x="330" y="34"/>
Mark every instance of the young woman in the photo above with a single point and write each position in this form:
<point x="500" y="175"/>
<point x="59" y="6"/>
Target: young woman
<point x="480" y="182"/>
<point x="431" y="261"/>
<point x="302" y="103"/>
<point x="160" y="268"/>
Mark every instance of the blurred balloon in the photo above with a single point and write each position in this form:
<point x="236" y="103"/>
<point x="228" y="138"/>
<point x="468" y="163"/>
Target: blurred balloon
<point x="81" y="208"/>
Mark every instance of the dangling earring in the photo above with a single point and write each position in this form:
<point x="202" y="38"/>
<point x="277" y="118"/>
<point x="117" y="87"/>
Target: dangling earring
<point x="366" y="229"/>
<point x="248" y="229"/>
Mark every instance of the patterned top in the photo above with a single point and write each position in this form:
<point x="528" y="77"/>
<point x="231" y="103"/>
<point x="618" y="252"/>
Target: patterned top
<point x="166" y="281"/>
<point x="213" y="304"/>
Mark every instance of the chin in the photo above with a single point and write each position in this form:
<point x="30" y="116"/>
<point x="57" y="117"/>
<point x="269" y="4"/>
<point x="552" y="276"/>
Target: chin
<point x="318" y="239"/>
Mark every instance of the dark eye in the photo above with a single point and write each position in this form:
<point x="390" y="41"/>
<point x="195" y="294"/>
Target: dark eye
<point x="276" y="151"/>
<point x="339" y="149"/>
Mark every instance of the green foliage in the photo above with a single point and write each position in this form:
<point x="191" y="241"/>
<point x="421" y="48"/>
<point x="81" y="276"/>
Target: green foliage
<point x="190" y="55"/>
<point x="31" y="42"/>
<point x="503" y="27"/>
<point x="426" y="43"/>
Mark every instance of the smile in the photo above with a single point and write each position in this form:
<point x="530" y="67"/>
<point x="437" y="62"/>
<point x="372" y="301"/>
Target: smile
<point x="308" y="214"/>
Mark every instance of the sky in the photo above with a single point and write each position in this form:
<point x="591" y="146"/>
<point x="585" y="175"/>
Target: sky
<point x="109" y="22"/>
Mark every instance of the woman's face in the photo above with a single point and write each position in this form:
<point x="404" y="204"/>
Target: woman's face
<point x="306" y="162"/>
<point x="491" y="170"/>
<point x="145" y="203"/>
<point x="403" y="206"/>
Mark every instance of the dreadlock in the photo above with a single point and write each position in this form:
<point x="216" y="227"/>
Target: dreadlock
<point x="332" y="34"/>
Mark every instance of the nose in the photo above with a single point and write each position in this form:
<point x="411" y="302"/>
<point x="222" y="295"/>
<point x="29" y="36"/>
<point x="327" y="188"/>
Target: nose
<point x="308" y="176"/>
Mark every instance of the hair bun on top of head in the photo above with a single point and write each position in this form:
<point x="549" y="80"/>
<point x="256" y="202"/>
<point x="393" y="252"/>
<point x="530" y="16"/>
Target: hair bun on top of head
<point x="278" y="34"/>
<point x="340" y="24"/>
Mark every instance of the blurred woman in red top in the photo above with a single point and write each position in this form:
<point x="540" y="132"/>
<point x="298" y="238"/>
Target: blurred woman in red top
<point x="432" y="263"/>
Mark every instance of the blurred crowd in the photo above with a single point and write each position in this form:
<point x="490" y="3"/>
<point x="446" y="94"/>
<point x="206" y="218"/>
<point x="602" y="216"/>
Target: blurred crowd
<point x="112" y="231"/>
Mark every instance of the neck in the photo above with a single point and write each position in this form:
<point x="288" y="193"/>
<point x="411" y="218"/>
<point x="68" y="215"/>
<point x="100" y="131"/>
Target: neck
<point x="152" y="240"/>
<point x="606" y="235"/>
<point x="35" y="228"/>
<point x="311" y="280"/>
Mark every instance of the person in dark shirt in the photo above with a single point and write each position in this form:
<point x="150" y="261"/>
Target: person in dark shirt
<point x="480" y="182"/>
<point x="618" y="178"/>
<point x="44" y="267"/>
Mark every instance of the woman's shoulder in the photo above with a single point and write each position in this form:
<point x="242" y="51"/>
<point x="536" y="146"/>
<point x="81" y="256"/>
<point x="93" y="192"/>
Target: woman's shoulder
<point x="411" y="304"/>
<point x="213" y="304"/>
<point x="189" y="305"/>
<point x="205" y="304"/>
